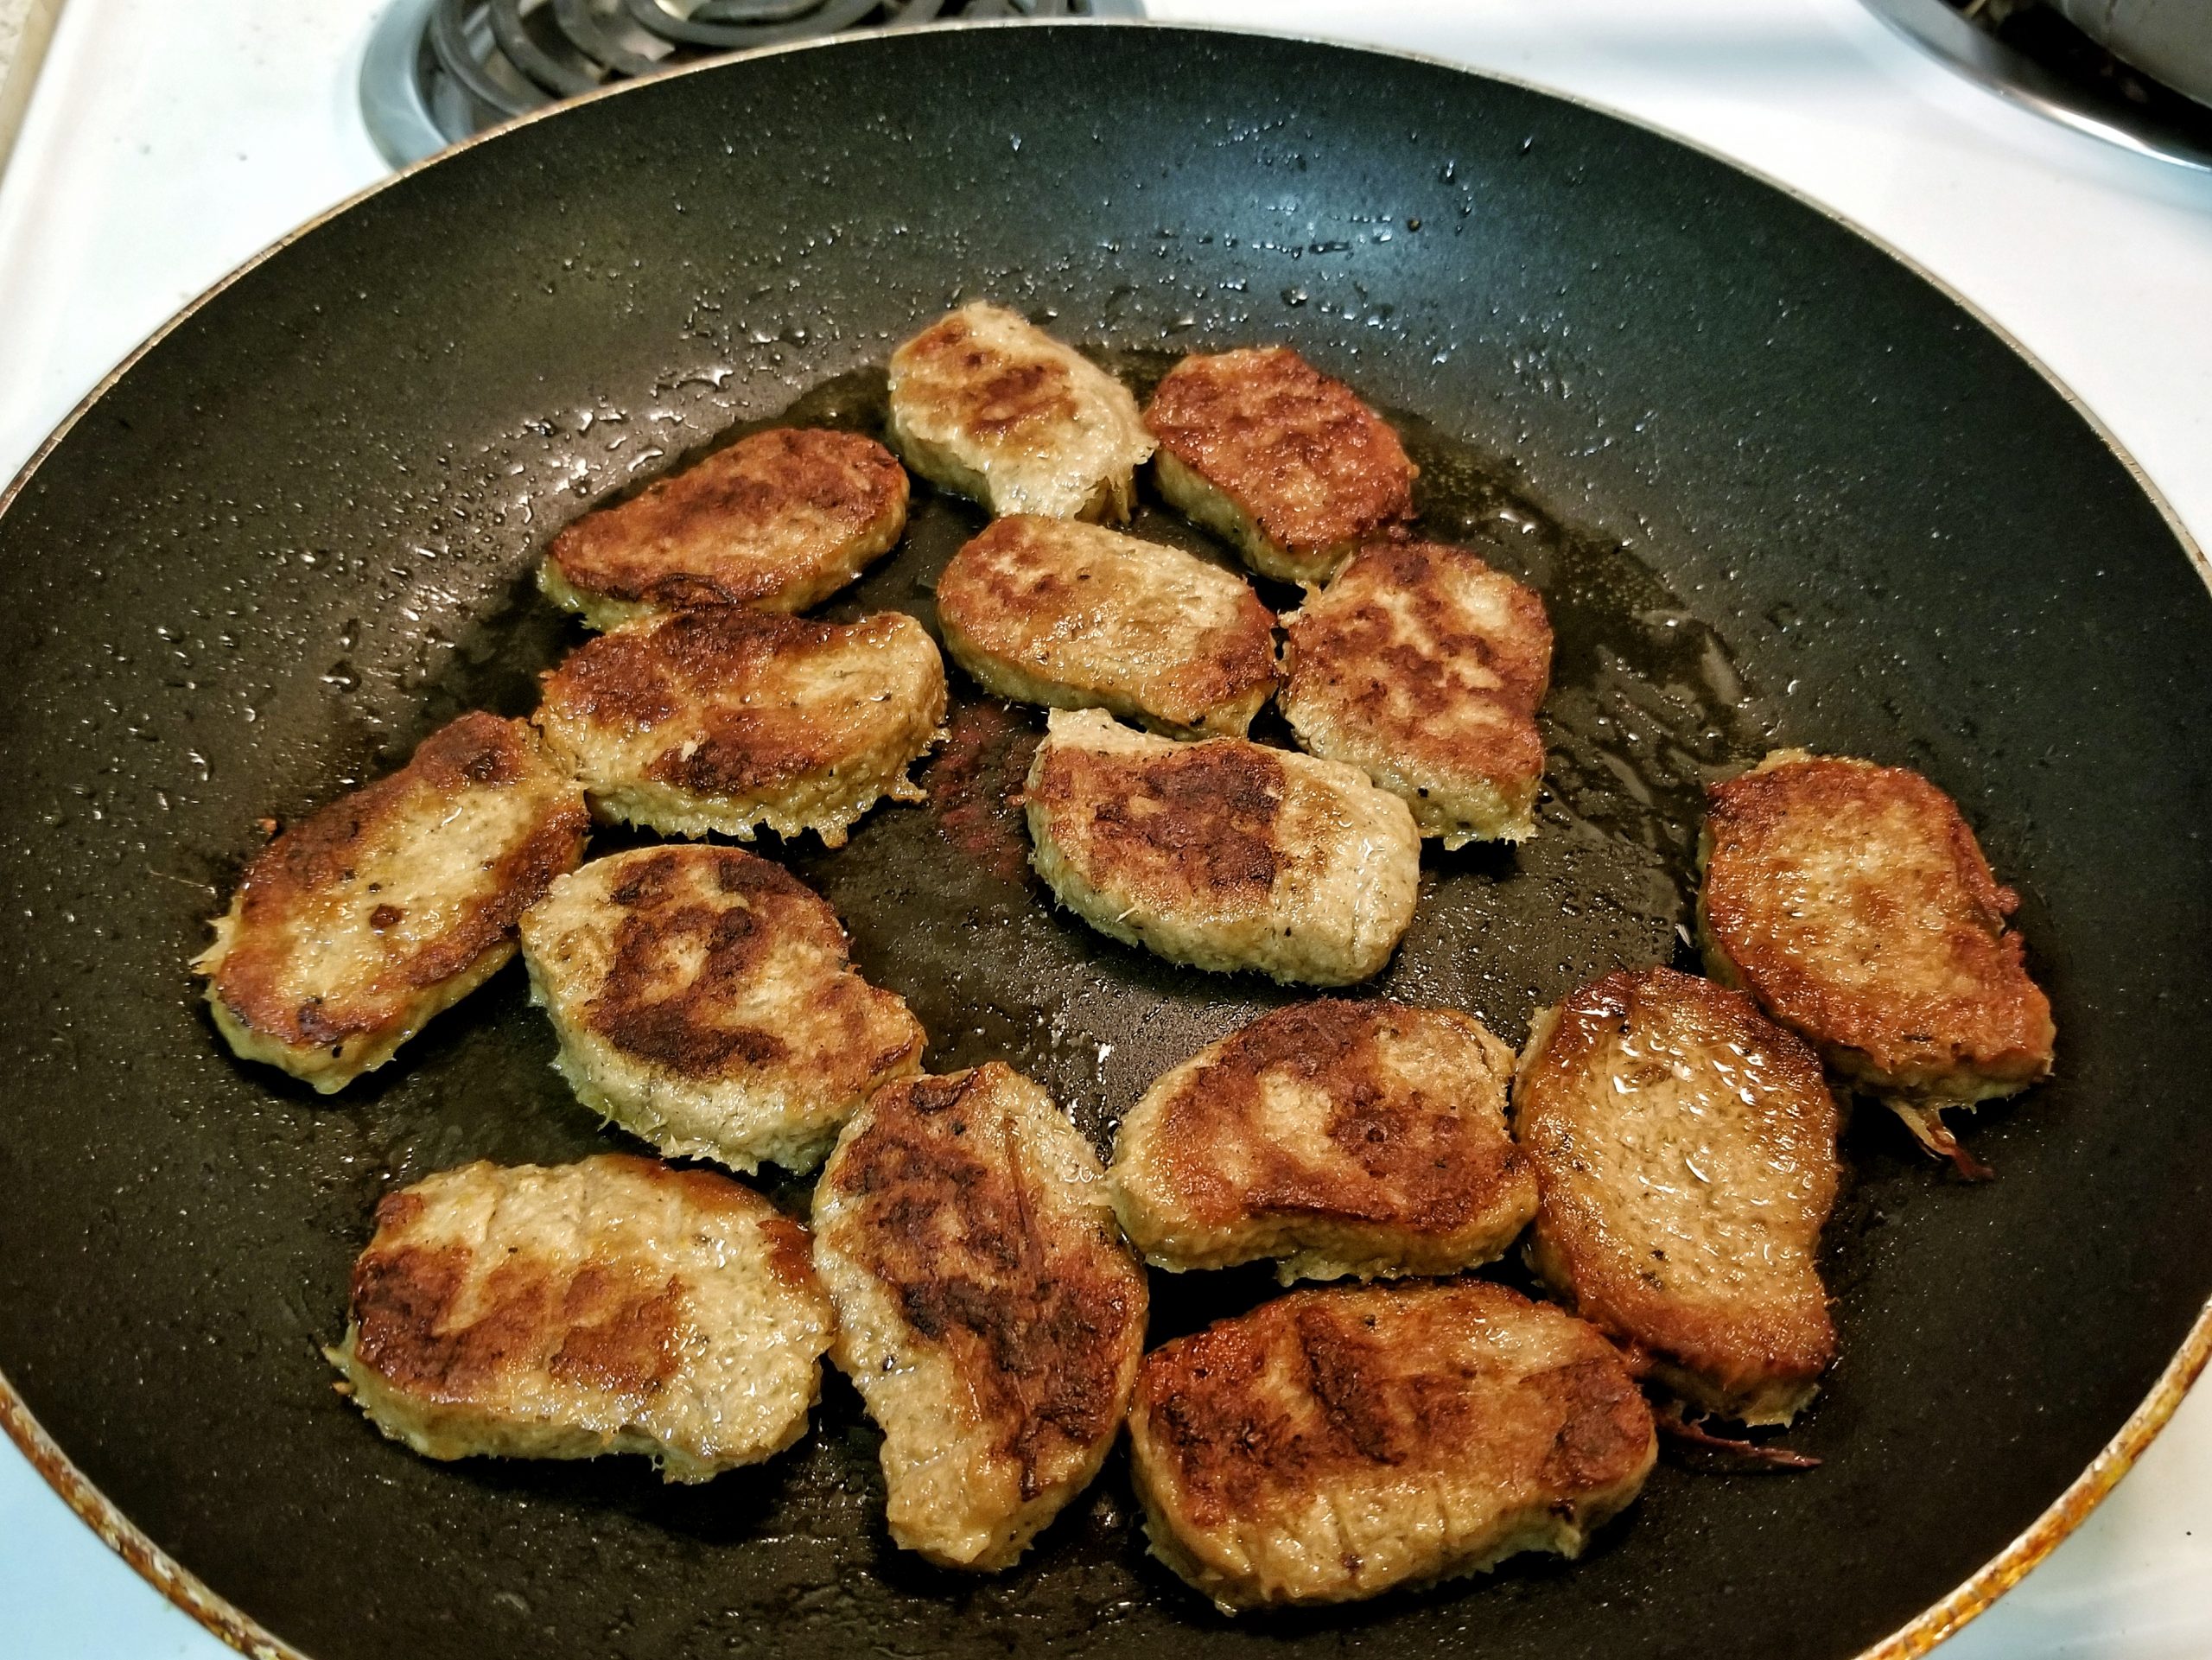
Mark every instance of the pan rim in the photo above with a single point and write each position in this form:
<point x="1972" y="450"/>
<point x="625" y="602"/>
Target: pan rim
<point x="1918" y="1636"/>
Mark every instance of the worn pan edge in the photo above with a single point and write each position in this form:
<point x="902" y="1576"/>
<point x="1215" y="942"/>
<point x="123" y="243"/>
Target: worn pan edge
<point x="1918" y="1636"/>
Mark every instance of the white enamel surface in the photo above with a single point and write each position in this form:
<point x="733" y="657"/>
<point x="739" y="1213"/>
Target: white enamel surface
<point x="168" y="142"/>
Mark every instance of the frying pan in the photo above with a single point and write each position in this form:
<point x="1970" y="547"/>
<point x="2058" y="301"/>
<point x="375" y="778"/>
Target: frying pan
<point x="1777" y="485"/>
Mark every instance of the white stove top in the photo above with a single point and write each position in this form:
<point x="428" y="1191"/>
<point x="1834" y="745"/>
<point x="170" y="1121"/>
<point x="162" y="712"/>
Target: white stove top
<point x="166" y="143"/>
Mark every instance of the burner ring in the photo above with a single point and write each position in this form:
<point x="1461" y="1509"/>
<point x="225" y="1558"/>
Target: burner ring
<point x="437" y="70"/>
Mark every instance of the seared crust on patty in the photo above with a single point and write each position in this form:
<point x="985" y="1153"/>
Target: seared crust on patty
<point x="1685" y="1146"/>
<point x="356" y="925"/>
<point x="724" y="719"/>
<point x="1424" y="667"/>
<point x="1284" y="462"/>
<point x="988" y="405"/>
<point x="987" y="1311"/>
<point x="1854" y="903"/>
<point x="1343" y="1138"/>
<point x="610" y="1306"/>
<point x="706" y="1001"/>
<point x="1333" y="1445"/>
<point x="1049" y="611"/>
<point x="1223" y="854"/>
<point x="781" y="520"/>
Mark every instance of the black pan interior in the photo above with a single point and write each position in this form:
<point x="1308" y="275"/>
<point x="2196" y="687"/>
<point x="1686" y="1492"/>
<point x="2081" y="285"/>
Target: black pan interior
<point x="1779" y="488"/>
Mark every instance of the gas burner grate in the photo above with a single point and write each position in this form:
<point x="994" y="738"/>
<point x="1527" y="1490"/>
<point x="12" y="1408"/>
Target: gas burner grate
<point x="437" y="70"/>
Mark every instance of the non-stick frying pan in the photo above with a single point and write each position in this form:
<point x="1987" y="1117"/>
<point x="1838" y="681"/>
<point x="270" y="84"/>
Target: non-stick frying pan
<point x="1777" y="487"/>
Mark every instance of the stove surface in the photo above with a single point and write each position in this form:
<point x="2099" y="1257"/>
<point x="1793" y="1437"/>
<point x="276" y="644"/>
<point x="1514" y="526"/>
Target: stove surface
<point x="167" y="144"/>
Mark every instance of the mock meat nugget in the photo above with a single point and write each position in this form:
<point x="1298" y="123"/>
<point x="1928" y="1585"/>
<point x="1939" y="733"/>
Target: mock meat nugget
<point x="1685" y="1147"/>
<point x="610" y="1306"/>
<point x="1223" y="854"/>
<point x="1336" y="1444"/>
<point x="1423" y="667"/>
<point x="706" y="1001"/>
<point x="780" y="521"/>
<point x="724" y="719"/>
<point x="1286" y="462"/>
<point x="1048" y="611"/>
<point x="1854" y="903"/>
<point x="986" y="1309"/>
<point x="356" y="925"/>
<point x="991" y="407"/>
<point x="1341" y="1138"/>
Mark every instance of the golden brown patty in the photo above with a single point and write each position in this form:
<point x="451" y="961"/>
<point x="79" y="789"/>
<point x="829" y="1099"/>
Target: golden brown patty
<point x="724" y="718"/>
<point x="987" y="1311"/>
<point x="988" y="405"/>
<point x="356" y="925"/>
<point x="1224" y="854"/>
<point x="610" y="1306"/>
<point x="1854" y="903"/>
<point x="1333" y="1445"/>
<point x="1423" y="667"/>
<point x="1685" y="1146"/>
<point x="1343" y="1138"/>
<point x="1284" y="461"/>
<point x="706" y="1001"/>
<point x="780" y="521"/>
<point x="1049" y="611"/>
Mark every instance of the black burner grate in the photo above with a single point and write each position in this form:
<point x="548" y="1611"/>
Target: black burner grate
<point x="438" y="70"/>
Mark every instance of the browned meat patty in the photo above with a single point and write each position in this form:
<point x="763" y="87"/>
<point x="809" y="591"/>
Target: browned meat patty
<point x="356" y="925"/>
<point x="706" y="1001"/>
<point x="1423" y="667"/>
<point x="1333" y="1445"/>
<point x="1854" y="903"/>
<point x="1284" y="462"/>
<point x="610" y="1306"/>
<point x="1340" y="1138"/>
<point x="1054" y="612"/>
<point x="987" y="1311"/>
<point x="781" y="520"/>
<point x="723" y="719"/>
<point x="1685" y="1146"/>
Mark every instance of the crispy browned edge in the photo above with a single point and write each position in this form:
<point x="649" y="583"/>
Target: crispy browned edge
<point x="1045" y="1342"/>
<point x="399" y="1293"/>
<point x="1212" y="835"/>
<point x="1724" y="1361"/>
<point x="1861" y="1034"/>
<point x="631" y="1012"/>
<point x="1203" y="413"/>
<point x="1232" y="1455"/>
<point x="977" y="589"/>
<point x="478" y="750"/>
<point x="1418" y="1186"/>
<point x="846" y="473"/>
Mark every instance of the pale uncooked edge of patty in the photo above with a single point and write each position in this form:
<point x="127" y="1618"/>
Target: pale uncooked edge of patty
<point x="313" y="1063"/>
<point x="828" y="812"/>
<point x="596" y="610"/>
<point x="447" y="1432"/>
<point x="1211" y="508"/>
<point x="1472" y="811"/>
<point x="1111" y="499"/>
